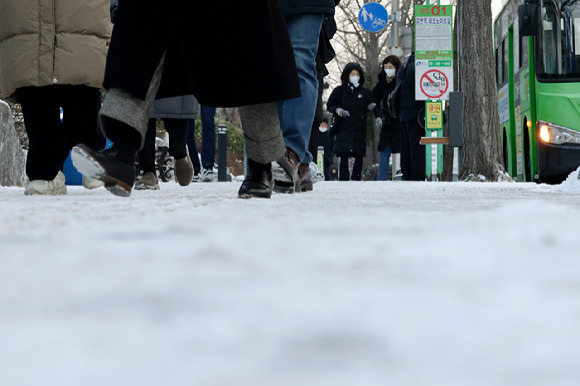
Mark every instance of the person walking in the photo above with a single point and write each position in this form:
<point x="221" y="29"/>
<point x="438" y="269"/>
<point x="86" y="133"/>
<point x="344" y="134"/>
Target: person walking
<point x="175" y="113"/>
<point x="52" y="56"/>
<point x="208" y="138"/>
<point x="146" y="63"/>
<point x="390" y="130"/>
<point x="304" y="21"/>
<point x="350" y="102"/>
<point x="412" y="152"/>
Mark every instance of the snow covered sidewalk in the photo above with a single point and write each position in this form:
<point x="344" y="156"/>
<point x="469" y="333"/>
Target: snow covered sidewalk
<point x="353" y="284"/>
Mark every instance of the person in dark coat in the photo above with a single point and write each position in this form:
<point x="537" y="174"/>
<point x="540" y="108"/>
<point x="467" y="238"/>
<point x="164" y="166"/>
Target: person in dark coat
<point x="350" y="102"/>
<point x="252" y="64"/>
<point x="412" y="152"/>
<point x="390" y="131"/>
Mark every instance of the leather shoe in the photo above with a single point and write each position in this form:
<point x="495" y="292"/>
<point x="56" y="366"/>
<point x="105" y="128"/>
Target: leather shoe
<point x="258" y="181"/>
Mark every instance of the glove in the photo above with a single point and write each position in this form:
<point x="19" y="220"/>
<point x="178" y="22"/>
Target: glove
<point x="371" y="106"/>
<point x="378" y="123"/>
<point x="342" y="113"/>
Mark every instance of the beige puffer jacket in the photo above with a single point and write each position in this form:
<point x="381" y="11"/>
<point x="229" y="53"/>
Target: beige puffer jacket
<point x="45" y="42"/>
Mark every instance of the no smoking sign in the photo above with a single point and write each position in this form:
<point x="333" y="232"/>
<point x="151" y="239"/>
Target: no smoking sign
<point x="432" y="83"/>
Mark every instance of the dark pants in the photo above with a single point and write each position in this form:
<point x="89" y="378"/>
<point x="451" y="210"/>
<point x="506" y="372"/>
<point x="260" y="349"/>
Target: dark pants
<point x="412" y="152"/>
<point x="343" y="174"/>
<point x="192" y="146"/>
<point x="177" y="130"/>
<point x="50" y="140"/>
<point x="207" y="137"/>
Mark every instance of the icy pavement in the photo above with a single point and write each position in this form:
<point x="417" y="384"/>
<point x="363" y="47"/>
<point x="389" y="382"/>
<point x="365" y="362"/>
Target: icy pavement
<point x="353" y="284"/>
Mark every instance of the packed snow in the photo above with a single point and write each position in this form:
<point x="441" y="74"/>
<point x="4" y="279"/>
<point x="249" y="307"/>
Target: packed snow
<point x="358" y="283"/>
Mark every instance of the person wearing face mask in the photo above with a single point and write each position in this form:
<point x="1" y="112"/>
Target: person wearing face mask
<point x="350" y="102"/>
<point x="390" y="130"/>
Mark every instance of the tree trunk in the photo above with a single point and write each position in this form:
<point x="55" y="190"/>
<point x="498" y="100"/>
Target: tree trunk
<point x="481" y="140"/>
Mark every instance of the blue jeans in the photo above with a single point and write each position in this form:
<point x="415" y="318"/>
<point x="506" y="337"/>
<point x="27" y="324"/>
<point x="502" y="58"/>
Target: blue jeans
<point x="207" y="137"/>
<point x="384" y="163"/>
<point x="296" y="114"/>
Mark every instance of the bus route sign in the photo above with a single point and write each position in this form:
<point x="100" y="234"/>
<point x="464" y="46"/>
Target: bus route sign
<point x="433" y="52"/>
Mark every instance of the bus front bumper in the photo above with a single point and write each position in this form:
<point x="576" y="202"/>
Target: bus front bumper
<point x="556" y="162"/>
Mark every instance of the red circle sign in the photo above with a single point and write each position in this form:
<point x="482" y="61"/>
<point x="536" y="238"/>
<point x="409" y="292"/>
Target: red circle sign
<point x="434" y="84"/>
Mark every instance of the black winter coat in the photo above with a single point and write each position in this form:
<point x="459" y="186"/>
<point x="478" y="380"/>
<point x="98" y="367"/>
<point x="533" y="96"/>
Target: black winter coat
<point x="242" y="57"/>
<point x="408" y="106"/>
<point x="296" y="7"/>
<point x="391" y="130"/>
<point x="350" y="132"/>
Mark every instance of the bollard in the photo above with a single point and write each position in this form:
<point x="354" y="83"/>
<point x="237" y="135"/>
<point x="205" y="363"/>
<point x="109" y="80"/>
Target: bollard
<point x="222" y="152"/>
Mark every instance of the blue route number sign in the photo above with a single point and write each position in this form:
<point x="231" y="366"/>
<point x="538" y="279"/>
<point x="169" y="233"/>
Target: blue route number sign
<point x="373" y="17"/>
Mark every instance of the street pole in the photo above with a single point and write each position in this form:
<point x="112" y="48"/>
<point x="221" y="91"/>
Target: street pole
<point x="396" y="20"/>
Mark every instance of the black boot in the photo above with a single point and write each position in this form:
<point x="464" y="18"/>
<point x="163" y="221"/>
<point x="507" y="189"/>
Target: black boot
<point x="114" y="166"/>
<point x="258" y="181"/>
<point x="105" y="166"/>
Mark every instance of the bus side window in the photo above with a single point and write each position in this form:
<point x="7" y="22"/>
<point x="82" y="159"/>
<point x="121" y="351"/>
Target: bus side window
<point x="524" y="41"/>
<point x="504" y="62"/>
<point x="497" y="66"/>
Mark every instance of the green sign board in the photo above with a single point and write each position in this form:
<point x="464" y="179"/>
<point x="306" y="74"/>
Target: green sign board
<point x="434" y="32"/>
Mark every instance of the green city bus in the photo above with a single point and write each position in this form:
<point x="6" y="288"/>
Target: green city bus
<point x="538" y="79"/>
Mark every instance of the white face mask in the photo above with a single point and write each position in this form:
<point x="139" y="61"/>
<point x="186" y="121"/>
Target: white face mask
<point x="390" y="72"/>
<point x="354" y="80"/>
<point x="323" y="129"/>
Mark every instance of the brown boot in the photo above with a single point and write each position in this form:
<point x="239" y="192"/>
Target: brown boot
<point x="306" y="184"/>
<point x="289" y="180"/>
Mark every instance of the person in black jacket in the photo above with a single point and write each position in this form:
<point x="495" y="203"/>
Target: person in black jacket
<point x="252" y="64"/>
<point x="390" y="135"/>
<point x="412" y="152"/>
<point x="350" y="102"/>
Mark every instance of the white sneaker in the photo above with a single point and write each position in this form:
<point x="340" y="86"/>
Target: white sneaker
<point x="54" y="187"/>
<point x="208" y="175"/>
<point x="315" y="174"/>
<point x="195" y="177"/>
<point x="91" y="183"/>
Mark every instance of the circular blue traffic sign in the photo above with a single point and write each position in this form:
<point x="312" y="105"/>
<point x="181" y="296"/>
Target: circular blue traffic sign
<point x="373" y="17"/>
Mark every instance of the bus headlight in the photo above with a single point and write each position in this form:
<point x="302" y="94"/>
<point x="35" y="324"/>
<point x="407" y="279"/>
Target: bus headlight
<point x="551" y="133"/>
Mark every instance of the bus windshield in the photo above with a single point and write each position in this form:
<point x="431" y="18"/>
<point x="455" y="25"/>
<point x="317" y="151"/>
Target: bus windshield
<point x="559" y="52"/>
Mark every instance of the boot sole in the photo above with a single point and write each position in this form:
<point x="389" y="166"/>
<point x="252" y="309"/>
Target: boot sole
<point x="90" y="167"/>
<point x="308" y="187"/>
<point x="284" y="187"/>
<point x="58" y="192"/>
<point x="246" y="196"/>
<point x="146" y="187"/>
